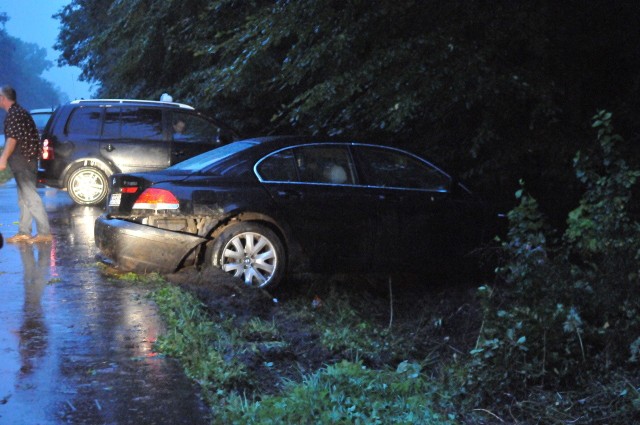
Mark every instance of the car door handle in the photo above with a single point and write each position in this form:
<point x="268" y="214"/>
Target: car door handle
<point x="289" y="194"/>
<point x="387" y="197"/>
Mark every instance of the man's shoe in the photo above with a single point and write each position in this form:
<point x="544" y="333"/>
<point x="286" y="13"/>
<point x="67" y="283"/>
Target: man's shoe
<point x="40" y="239"/>
<point x="19" y="238"/>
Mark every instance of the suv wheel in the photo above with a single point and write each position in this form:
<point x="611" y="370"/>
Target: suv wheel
<point x="87" y="186"/>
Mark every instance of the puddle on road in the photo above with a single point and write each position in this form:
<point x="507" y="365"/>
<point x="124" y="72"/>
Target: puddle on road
<point x="75" y="346"/>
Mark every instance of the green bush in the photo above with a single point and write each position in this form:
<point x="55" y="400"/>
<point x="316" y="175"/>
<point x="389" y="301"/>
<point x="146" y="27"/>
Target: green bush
<point x="564" y="310"/>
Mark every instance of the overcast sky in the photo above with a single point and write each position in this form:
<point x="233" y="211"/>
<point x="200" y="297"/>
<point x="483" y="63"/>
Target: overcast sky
<point x="31" y="21"/>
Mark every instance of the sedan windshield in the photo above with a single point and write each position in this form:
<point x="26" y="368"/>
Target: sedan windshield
<point x="209" y="158"/>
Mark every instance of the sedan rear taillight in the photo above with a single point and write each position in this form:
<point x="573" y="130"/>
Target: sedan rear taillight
<point x="156" y="199"/>
<point x="47" y="149"/>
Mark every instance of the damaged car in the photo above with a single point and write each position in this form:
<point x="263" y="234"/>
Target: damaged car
<point x="266" y="207"/>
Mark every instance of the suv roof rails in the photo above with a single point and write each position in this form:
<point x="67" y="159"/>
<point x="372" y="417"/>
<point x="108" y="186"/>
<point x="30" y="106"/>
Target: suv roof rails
<point x="137" y="101"/>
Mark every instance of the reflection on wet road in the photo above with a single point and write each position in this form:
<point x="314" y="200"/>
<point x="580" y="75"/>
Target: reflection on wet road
<point x="75" y="345"/>
<point x="33" y="332"/>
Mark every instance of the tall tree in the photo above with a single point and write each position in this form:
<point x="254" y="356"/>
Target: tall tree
<point x="21" y="66"/>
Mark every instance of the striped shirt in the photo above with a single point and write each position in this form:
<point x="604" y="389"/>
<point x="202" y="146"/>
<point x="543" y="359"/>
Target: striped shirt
<point x="19" y="125"/>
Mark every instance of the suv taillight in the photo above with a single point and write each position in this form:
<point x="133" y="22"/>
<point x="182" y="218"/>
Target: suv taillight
<point x="47" y="150"/>
<point x="156" y="199"/>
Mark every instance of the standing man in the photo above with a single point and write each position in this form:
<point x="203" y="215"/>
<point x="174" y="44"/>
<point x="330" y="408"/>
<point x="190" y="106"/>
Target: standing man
<point x="21" y="151"/>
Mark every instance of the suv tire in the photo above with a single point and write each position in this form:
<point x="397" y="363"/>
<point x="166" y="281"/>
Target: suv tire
<point x="87" y="186"/>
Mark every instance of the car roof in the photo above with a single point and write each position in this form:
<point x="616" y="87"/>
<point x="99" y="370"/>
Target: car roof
<point x="131" y="102"/>
<point x="41" y="111"/>
<point x="267" y="143"/>
<point x="292" y="140"/>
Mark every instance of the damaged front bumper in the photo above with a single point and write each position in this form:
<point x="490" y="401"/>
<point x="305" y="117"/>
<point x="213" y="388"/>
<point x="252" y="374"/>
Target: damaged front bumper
<point x="143" y="249"/>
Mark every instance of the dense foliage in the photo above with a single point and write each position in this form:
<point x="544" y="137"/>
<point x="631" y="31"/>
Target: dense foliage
<point x="565" y="315"/>
<point x="22" y="66"/>
<point x="497" y="91"/>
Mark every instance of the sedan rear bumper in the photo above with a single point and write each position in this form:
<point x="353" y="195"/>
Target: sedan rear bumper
<point x="139" y="248"/>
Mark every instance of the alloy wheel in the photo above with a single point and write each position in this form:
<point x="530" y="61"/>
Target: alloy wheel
<point x="87" y="186"/>
<point x="251" y="256"/>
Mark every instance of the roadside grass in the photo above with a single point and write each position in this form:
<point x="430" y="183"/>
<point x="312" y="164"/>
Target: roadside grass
<point x="345" y="330"/>
<point x="325" y="361"/>
<point x="138" y="278"/>
<point x="348" y="392"/>
<point x="204" y="347"/>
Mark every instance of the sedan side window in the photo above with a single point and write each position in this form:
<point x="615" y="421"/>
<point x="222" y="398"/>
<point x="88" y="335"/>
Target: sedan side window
<point x="279" y="167"/>
<point x="324" y="164"/>
<point x="391" y="168"/>
<point x="328" y="164"/>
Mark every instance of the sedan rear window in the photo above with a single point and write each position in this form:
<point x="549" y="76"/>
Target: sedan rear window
<point x="207" y="159"/>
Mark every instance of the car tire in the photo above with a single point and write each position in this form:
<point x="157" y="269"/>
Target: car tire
<point x="250" y="251"/>
<point x="87" y="186"/>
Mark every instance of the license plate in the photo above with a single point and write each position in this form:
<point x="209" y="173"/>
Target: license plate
<point x="114" y="201"/>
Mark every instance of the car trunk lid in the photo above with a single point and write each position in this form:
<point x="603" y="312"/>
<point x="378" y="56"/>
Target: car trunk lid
<point x="126" y="190"/>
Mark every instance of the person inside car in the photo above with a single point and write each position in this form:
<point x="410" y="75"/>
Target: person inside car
<point x="179" y="126"/>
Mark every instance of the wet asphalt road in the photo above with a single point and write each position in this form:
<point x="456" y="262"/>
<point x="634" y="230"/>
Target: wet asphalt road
<point x="76" y="346"/>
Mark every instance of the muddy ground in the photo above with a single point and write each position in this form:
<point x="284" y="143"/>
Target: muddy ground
<point x="435" y="321"/>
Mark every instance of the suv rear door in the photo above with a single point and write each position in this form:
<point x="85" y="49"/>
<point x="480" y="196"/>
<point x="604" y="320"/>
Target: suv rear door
<point x="133" y="140"/>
